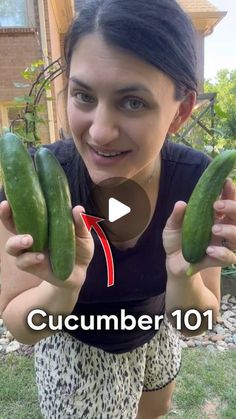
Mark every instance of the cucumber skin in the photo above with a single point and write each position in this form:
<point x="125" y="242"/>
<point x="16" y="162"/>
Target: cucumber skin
<point x="23" y="191"/>
<point x="199" y="215"/>
<point x="61" y="226"/>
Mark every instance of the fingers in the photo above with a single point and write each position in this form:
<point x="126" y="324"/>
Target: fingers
<point x="223" y="206"/>
<point x="216" y="256"/>
<point x="37" y="264"/>
<point x="80" y="227"/>
<point x="226" y="208"/>
<point x="175" y="220"/>
<point x="15" y="245"/>
<point x="226" y="232"/>
<point x="28" y="261"/>
<point x="84" y="242"/>
<point x="221" y="255"/>
<point x="172" y="231"/>
<point x="226" y="229"/>
<point x="226" y="252"/>
<point x="229" y="190"/>
<point x="6" y="217"/>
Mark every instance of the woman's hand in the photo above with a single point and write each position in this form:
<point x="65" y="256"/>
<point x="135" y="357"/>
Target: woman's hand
<point x="220" y="252"/>
<point x="38" y="264"/>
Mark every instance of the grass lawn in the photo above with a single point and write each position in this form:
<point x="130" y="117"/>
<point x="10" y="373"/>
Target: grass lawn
<point x="206" y="387"/>
<point x="18" y="394"/>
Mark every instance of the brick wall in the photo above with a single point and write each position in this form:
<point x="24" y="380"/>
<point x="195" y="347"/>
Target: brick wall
<point x="18" y="49"/>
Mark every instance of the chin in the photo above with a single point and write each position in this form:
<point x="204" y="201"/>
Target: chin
<point x="108" y="180"/>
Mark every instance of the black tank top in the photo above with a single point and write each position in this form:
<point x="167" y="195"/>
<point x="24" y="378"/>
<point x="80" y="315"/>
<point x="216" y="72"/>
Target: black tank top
<point x="140" y="273"/>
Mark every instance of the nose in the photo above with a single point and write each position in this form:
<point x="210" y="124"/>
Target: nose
<point x="104" y="128"/>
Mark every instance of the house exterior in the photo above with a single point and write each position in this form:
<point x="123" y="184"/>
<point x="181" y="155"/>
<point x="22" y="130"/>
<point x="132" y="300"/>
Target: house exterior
<point x="34" y="29"/>
<point x="205" y="16"/>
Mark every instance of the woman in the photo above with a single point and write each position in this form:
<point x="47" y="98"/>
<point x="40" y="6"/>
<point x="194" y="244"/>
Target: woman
<point x="131" y="82"/>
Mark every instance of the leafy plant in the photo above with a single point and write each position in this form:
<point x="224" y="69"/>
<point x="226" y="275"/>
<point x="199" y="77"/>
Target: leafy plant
<point x="225" y="108"/>
<point x="217" y="128"/>
<point x="30" y="111"/>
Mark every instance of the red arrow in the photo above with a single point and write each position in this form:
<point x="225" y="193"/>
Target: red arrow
<point x="92" y="222"/>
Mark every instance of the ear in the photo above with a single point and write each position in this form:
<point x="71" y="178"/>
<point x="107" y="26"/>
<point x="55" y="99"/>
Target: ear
<point x="183" y="113"/>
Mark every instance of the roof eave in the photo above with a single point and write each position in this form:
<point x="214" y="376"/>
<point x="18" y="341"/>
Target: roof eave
<point x="205" y="22"/>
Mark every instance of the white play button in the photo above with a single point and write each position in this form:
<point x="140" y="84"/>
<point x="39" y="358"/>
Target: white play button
<point x="124" y="207"/>
<point x="116" y="209"/>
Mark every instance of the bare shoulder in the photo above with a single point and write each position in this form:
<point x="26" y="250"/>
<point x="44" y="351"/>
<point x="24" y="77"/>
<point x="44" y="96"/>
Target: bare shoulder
<point x="13" y="280"/>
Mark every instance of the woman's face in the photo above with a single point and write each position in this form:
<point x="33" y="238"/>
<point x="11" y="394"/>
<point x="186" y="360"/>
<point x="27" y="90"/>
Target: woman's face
<point x="120" y="110"/>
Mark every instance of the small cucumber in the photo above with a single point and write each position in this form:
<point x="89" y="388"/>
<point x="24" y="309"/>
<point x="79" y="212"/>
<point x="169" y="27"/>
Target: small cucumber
<point x="61" y="226"/>
<point x="23" y="191"/>
<point x="199" y="215"/>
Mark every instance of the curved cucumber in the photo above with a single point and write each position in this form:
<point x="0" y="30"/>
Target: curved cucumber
<point x="61" y="226"/>
<point x="199" y="215"/>
<point x="23" y="191"/>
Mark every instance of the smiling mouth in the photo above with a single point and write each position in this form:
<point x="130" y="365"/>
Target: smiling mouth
<point x="109" y="154"/>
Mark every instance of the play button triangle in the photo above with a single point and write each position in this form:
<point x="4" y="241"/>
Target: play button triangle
<point x="117" y="209"/>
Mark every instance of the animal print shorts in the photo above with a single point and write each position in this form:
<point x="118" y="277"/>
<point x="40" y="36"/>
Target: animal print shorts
<point x="83" y="382"/>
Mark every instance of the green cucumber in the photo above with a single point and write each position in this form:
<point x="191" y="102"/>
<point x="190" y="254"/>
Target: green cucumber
<point x="61" y="226"/>
<point x="199" y="215"/>
<point x="23" y="191"/>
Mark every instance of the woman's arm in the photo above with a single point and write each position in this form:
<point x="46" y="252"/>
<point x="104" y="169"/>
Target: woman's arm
<point x="28" y="283"/>
<point x="202" y="290"/>
<point x="51" y="299"/>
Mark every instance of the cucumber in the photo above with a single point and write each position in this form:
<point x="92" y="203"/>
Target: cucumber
<point x="61" y="226"/>
<point x="23" y="191"/>
<point x="199" y="215"/>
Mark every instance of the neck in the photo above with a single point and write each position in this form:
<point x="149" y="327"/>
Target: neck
<point x="148" y="179"/>
<point x="155" y="172"/>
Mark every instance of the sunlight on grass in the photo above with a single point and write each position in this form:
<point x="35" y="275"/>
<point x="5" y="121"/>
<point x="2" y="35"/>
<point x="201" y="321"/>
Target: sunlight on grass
<point x="18" y="396"/>
<point x="205" y="387"/>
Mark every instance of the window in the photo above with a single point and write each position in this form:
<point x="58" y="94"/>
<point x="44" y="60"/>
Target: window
<point x="9" y="113"/>
<point x="16" y="13"/>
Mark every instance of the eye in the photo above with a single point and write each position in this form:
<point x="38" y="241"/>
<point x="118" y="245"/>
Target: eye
<point x="133" y="104"/>
<point x="83" y="97"/>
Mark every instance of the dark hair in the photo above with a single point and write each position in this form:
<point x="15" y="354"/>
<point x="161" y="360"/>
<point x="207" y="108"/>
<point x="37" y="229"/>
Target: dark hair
<point x="157" y="31"/>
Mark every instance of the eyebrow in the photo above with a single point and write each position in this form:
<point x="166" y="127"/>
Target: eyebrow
<point x="128" y="89"/>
